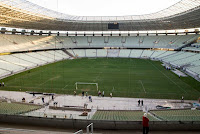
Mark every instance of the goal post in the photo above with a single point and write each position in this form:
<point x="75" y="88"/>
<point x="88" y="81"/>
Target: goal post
<point x="86" y="83"/>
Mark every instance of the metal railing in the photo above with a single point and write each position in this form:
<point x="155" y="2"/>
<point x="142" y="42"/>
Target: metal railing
<point x="79" y="132"/>
<point x="90" y="126"/>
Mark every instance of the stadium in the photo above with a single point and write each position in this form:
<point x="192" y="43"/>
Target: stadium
<point x="99" y="74"/>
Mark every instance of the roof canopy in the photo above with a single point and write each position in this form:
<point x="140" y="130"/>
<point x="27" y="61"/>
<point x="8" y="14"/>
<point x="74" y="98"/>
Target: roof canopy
<point x="24" y="14"/>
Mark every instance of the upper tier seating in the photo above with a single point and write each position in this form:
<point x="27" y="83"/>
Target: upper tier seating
<point x="12" y="43"/>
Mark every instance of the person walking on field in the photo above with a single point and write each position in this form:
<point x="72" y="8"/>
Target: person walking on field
<point x="145" y="124"/>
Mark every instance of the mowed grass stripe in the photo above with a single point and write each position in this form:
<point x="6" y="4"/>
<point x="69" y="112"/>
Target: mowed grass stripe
<point x="122" y="75"/>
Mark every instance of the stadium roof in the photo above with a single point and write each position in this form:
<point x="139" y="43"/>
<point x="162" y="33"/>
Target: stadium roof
<point x="24" y="14"/>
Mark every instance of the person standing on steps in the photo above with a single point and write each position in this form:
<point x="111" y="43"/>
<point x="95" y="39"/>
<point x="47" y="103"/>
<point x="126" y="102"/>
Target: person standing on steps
<point x="145" y="124"/>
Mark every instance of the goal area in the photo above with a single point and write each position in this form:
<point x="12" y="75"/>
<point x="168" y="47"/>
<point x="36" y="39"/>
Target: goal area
<point x="86" y="83"/>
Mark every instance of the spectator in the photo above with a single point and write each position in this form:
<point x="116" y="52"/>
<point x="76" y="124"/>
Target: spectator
<point x="55" y="104"/>
<point x="90" y="98"/>
<point x="99" y="93"/>
<point x="74" y="93"/>
<point x="145" y="123"/>
<point x="139" y="103"/>
<point x="182" y="99"/>
<point x="142" y="102"/>
<point x="43" y="99"/>
<point x="52" y="97"/>
<point x="110" y="95"/>
<point x="2" y="84"/>
<point x="86" y="94"/>
<point x="83" y="93"/>
<point x="23" y="99"/>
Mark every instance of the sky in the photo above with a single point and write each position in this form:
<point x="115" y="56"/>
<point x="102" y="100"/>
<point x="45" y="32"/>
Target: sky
<point x="105" y="7"/>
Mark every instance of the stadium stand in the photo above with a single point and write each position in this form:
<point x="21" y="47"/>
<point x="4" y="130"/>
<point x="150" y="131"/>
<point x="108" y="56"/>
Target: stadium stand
<point x="32" y="42"/>
<point x="178" y="56"/>
<point x="14" y="63"/>
<point x="16" y="108"/>
<point x="195" y="69"/>
<point x="186" y="60"/>
<point x="124" y="53"/>
<point x="120" y="115"/>
<point x="178" y="115"/>
<point x="4" y="72"/>
<point x="91" y="53"/>
<point x="147" y="54"/>
<point x="79" y="53"/>
<point x="97" y="42"/>
<point x="64" y="42"/>
<point x="193" y="49"/>
<point x="197" y="45"/>
<point x="113" y="41"/>
<point x="18" y="61"/>
<point x="11" y="67"/>
<point x="113" y="52"/>
<point x="102" y="53"/>
<point x="81" y="42"/>
<point x="156" y="53"/>
<point x="165" y="54"/>
<point x="136" y="53"/>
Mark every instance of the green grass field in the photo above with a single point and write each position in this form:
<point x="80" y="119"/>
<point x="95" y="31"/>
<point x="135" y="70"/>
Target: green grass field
<point x="123" y="77"/>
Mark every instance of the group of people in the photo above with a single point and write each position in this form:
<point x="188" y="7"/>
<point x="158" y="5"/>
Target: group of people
<point x="140" y="102"/>
<point x="100" y="94"/>
<point x="167" y="67"/>
<point x="86" y="94"/>
<point x="2" y="84"/>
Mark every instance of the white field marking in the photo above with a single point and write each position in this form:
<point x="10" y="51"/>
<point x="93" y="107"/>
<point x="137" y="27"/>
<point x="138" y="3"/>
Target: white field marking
<point x="97" y="78"/>
<point x="113" y="89"/>
<point x="142" y="86"/>
<point x="168" y="77"/>
<point x="64" y="86"/>
<point x="49" y="80"/>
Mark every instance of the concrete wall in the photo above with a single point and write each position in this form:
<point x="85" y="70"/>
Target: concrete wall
<point x="98" y="124"/>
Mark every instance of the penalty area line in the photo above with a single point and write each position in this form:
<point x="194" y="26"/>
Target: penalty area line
<point x="64" y="86"/>
<point x="142" y="86"/>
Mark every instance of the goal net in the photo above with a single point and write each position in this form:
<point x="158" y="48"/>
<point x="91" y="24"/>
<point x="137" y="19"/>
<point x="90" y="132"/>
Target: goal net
<point x="82" y="85"/>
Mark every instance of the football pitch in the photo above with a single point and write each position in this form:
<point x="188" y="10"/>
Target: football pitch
<point x="122" y="77"/>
